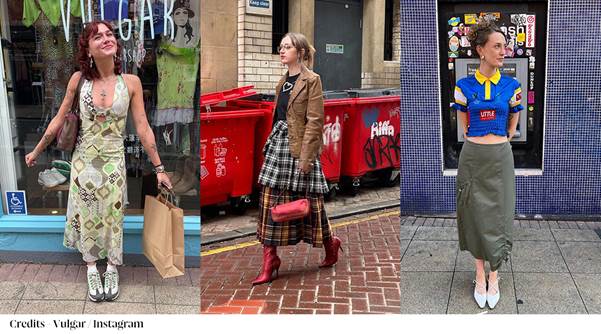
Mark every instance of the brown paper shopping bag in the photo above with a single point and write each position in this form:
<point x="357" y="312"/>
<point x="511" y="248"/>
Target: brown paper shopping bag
<point x="163" y="236"/>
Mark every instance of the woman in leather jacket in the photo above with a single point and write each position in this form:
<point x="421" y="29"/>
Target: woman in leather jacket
<point x="291" y="169"/>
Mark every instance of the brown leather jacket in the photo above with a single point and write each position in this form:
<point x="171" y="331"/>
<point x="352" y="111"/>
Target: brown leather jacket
<point x="304" y="116"/>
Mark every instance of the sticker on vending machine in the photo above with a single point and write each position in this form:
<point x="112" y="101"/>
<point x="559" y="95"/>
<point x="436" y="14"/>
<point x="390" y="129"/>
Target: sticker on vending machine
<point x="530" y="30"/>
<point x="465" y="43"/>
<point x="518" y="19"/>
<point x="497" y="15"/>
<point x="454" y="43"/>
<point x="471" y="18"/>
<point x="531" y="81"/>
<point x="531" y="97"/>
<point x="454" y="21"/>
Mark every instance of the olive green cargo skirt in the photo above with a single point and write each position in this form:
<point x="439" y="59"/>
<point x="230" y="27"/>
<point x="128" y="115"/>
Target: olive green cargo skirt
<point x="486" y="201"/>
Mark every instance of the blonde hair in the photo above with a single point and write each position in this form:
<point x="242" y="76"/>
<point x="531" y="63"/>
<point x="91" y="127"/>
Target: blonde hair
<point x="305" y="50"/>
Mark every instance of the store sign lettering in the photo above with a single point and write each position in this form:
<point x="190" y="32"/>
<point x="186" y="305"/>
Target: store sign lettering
<point x="124" y="34"/>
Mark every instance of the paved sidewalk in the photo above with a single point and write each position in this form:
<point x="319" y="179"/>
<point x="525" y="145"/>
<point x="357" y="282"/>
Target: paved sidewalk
<point x="555" y="267"/>
<point x="365" y="279"/>
<point x="62" y="289"/>
<point x="231" y="226"/>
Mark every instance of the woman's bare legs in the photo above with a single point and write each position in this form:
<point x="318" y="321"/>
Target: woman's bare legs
<point x="480" y="277"/>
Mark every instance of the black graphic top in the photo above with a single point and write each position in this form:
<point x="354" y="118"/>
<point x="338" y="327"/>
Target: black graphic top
<point x="280" y="109"/>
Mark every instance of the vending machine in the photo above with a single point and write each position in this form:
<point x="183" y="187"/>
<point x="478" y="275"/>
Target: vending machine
<point x="524" y="26"/>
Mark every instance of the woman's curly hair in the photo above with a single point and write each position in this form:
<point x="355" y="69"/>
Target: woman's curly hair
<point x="478" y="34"/>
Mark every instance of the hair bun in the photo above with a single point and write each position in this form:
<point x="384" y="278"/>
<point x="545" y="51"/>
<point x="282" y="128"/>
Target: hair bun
<point x="485" y="23"/>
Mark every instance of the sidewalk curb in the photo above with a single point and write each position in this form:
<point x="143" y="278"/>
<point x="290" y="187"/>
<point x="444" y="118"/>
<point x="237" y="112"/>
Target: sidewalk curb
<point x="537" y="217"/>
<point x="338" y="214"/>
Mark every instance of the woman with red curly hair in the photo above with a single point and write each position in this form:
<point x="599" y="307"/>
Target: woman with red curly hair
<point x="97" y="191"/>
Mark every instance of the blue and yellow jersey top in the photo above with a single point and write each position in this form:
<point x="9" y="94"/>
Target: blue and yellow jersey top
<point x="488" y="102"/>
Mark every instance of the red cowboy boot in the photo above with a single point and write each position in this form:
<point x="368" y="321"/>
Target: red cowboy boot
<point x="271" y="264"/>
<point x="332" y="246"/>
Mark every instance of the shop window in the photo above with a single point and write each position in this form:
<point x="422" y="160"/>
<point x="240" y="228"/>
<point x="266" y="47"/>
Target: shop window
<point x="279" y="23"/>
<point x="39" y="58"/>
<point x="388" y="25"/>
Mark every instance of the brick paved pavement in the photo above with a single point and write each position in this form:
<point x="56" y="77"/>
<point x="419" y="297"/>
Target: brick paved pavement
<point x="233" y="225"/>
<point x="365" y="279"/>
<point x="555" y="267"/>
<point x="47" y="288"/>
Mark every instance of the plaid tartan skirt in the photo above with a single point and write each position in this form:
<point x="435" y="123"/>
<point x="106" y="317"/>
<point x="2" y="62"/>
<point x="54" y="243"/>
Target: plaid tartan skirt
<point x="280" y="170"/>
<point x="313" y="229"/>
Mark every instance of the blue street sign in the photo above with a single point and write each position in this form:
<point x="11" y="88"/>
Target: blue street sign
<point x="16" y="202"/>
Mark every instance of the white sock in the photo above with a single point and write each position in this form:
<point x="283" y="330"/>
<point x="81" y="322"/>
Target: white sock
<point x="110" y="267"/>
<point x="92" y="268"/>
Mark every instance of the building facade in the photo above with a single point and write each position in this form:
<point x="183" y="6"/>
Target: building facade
<point x="357" y="42"/>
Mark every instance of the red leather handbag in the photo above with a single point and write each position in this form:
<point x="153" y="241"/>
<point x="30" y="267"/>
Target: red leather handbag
<point x="281" y="213"/>
<point x="66" y="136"/>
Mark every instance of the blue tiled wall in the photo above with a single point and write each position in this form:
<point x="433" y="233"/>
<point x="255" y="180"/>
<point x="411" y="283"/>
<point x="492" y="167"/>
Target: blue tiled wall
<point x="571" y="182"/>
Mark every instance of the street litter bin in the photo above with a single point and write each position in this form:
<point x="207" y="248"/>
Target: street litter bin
<point x="263" y="129"/>
<point x="371" y="140"/>
<point x="227" y="149"/>
<point x="336" y="105"/>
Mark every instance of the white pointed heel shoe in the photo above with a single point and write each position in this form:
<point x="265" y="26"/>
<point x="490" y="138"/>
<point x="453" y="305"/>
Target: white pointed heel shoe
<point x="493" y="298"/>
<point x="480" y="298"/>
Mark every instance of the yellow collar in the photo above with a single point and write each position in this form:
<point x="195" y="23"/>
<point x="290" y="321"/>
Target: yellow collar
<point x="494" y="79"/>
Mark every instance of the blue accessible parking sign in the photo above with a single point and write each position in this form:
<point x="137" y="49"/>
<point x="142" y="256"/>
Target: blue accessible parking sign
<point x="16" y="204"/>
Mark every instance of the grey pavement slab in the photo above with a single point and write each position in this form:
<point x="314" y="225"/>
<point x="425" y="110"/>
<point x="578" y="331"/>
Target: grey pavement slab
<point x="177" y="309"/>
<point x="118" y="308"/>
<point x="404" y="245"/>
<point x="56" y="290"/>
<point x="436" y="233"/>
<point x="537" y="256"/>
<point x="178" y="295"/>
<point x="462" y="295"/>
<point x="430" y="256"/>
<point x="465" y="262"/>
<point x="407" y="232"/>
<point x="51" y="307"/>
<point x="532" y="234"/>
<point x="12" y="289"/>
<point x="590" y="291"/>
<point x="546" y="293"/>
<point x="425" y="292"/>
<point x="136" y="294"/>
<point x="582" y="257"/>
<point x="8" y="306"/>
<point x="575" y="235"/>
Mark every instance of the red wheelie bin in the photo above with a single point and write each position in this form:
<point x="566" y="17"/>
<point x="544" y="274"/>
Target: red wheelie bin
<point x="371" y="141"/>
<point x="227" y="149"/>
